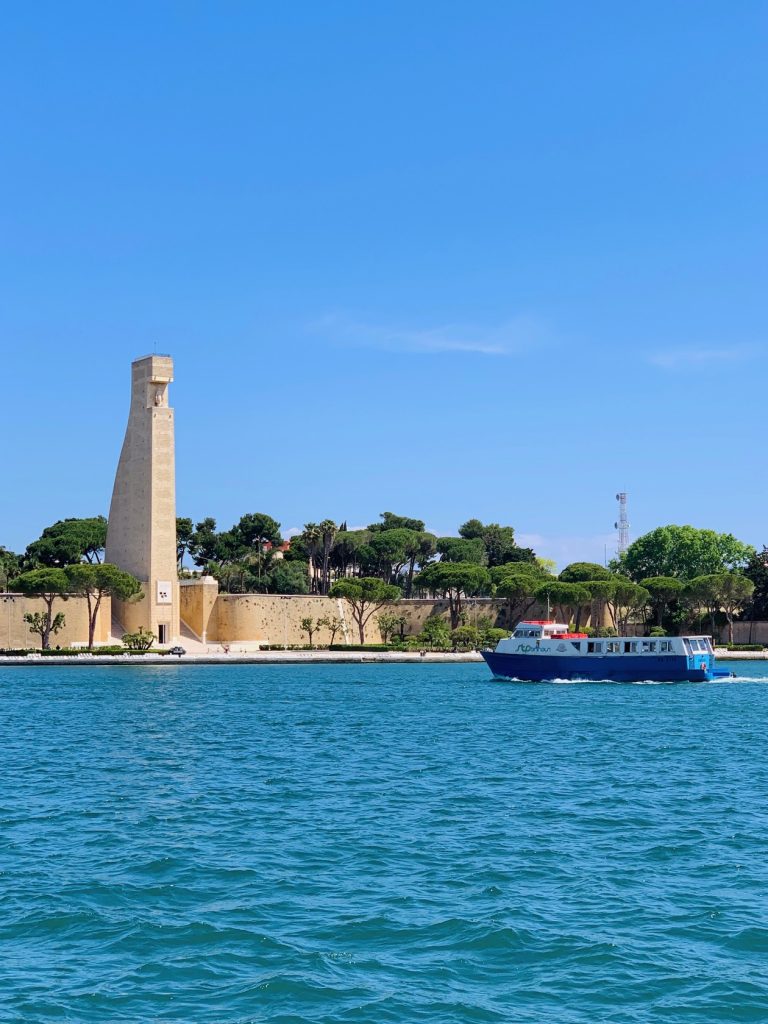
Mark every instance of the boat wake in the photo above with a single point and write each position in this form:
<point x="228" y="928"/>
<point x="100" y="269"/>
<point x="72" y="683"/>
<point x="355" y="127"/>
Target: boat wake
<point x="633" y="682"/>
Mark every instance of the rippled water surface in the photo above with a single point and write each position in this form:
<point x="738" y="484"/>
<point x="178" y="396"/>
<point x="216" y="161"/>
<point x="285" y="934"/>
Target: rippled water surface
<point x="380" y="843"/>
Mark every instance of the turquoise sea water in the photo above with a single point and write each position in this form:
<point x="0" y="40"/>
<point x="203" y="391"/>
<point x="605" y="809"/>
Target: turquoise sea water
<point x="380" y="844"/>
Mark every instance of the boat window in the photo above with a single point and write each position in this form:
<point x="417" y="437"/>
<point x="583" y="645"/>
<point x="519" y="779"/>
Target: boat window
<point x="630" y="646"/>
<point x="648" y="646"/>
<point x="594" y="648"/>
<point x="576" y="644"/>
<point x="665" y="645"/>
<point x="612" y="647"/>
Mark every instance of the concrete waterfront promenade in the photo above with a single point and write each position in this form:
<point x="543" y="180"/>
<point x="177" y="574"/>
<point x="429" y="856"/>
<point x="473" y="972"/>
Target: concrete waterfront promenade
<point x="250" y="658"/>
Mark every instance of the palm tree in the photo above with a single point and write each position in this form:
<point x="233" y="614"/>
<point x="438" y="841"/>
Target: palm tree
<point x="311" y="537"/>
<point x="328" y="530"/>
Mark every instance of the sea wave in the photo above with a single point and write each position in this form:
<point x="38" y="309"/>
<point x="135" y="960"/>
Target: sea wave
<point x="290" y="845"/>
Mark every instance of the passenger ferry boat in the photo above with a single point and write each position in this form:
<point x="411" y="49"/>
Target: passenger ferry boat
<point x="540" y="650"/>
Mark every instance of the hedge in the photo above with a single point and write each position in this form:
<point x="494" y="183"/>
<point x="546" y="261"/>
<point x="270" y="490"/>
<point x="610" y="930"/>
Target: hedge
<point x="70" y="652"/>
<point x="290" y="647"/>
<point x="364" y="647"/>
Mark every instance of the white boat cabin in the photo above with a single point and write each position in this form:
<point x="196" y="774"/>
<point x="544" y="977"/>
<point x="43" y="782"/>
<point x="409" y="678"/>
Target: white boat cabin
<point x="540" y="636"/>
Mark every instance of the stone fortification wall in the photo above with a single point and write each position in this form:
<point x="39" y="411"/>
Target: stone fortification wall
<point x="276" y="619"/>
<point x="14" y="631"/>
<point x="747" y="632"/>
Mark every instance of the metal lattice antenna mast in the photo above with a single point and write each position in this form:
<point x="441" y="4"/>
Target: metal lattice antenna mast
<point x="623" y="523"/>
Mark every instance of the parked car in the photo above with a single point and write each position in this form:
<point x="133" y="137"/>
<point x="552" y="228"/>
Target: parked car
<point x="178" y="651"/>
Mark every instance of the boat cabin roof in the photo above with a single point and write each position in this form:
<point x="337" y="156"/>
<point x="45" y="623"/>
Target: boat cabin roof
<point x="539" y="628"/>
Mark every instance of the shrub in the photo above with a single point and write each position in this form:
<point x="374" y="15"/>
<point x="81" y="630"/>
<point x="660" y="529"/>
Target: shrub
<point x="745" y="647"/>
<point x="465" y="637"/>
<point x="436" y="633"/>
<point x="292" y="647"/>
<point x="142" y="640"/>
<point x="361" y="647"/>
<point x="492" y="636"/>
<point x="97" y="652"/>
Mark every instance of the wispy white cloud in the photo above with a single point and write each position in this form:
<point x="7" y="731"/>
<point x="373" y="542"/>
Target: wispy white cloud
<point x="566" y="549"/>
<point x="674" y="358"/>
<point x="515" y="335"/>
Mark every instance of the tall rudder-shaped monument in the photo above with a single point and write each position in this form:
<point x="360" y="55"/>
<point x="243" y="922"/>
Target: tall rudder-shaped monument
<point x="141" y="537"/>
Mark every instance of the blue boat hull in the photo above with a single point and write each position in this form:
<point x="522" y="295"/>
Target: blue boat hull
<point x="624" y="668"/>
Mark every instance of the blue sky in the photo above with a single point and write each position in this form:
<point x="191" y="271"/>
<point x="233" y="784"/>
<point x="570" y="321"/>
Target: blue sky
<point x="444" y="259"/>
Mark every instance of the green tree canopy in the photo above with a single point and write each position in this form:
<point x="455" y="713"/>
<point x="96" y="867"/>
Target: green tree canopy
<point x="48" y="584"/>
<point x="68" y="541"/>
<point x="734" y="594"/>
<point x="455" y="580"/>
<point x="662" y="589"/>
<point x="517" y="583"/>
<point x="365" y="595"/>
<point x="238" y="557"/>
<point x="462" y="549"/>
<point x="389" y="623"/>
<point x="288" y="577"/>
<point x="94" y="582"/>
<point x="255" y="529"/>
<point x="328" y="534"/>
<point x="601" y="592"/>
<point x="626" y="600"/>
<point x="420" y="549"/>
<point x="210" y="548"/>
<point x="584" y="572"/>
<point x="10" y="566"/>
<point x="185" y="532"/>
<point x="683" y="552"/>
<point x="566" y="598"/>
<point x="392" y="522"/>
<point x="387" y="552"/>
<point x="473" y="529"/>
<point x="346" y="553"/>
<point x="756" y="570"/>
<point x="498" y="541"/>
<point x="725" y="591"/>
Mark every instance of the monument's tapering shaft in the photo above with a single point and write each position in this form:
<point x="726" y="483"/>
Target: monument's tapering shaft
<point x="141" y="537"/>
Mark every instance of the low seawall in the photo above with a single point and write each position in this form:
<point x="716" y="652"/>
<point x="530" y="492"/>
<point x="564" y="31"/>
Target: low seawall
<point x="256" y="658"/>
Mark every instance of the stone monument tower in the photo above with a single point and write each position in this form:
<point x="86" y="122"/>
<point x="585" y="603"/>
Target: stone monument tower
<point x="141" y="537"/>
